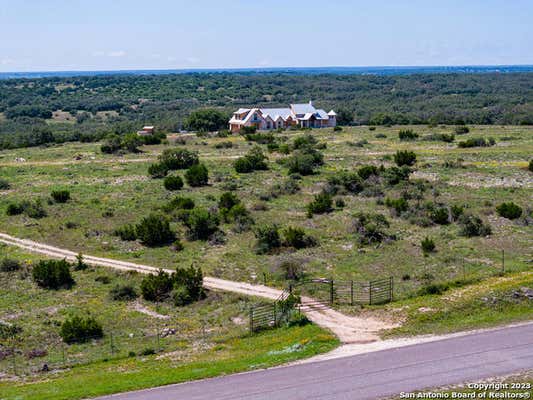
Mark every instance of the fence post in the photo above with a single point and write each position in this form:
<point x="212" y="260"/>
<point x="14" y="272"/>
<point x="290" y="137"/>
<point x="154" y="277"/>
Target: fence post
<point x="14" y="360"/>
<point x="370" y="292"/>
<point x="391" y="288"/>
<point x="331" y="296"/>
<point x="158" y="336"/>
<point x="112" y="346"/>
<point x="503" y="261"/>
<point x="351" y="292"/>
<point x="275" y="318"/>
<point x="251" y="319"/>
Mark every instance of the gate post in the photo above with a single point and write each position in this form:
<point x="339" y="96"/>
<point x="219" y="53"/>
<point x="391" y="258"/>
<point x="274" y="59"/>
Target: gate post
<point x="331" y="292"/>
<point x="351" y="292"/>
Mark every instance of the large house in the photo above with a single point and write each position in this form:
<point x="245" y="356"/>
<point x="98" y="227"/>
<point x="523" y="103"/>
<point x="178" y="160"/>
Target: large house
<point x="303" y="115"/>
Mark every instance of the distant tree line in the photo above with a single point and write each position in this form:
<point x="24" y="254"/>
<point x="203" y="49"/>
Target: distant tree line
<point x="204" y="101"/>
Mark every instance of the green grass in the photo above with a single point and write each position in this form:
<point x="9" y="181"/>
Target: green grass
<point x="236" y="355"/>
<point x="100" y="184"/>
<point x="487" y="303"/>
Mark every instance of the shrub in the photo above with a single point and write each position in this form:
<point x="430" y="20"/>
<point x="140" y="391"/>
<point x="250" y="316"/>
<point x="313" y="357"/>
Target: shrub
<point x="8" y="331"/>
<point x="304" y="161"/>
<point x="157" y="170"/>
<point x="154" y="230"/>
<point x="262" y="138"/>
<point x="471" y="225"/>
<point x="399" y="205"/>
<point x="321" y="204"/>
<point x="147" y="352"/>
<point x="404" y="157"/>
<point x="123" y="293"/>
<point x="440" y="215"/>
<point x="443" y="137"/>
<point x="201" y="224"/>
<point x="371" y="228"/>
<point x="340" y="203"/>
<point x="126" y="232"/>
<point x="103" y="279"/>
<point x="227" y="202"/>
<point x="224" y="145"/>
<point x="530" y="165"/>
<point x="179" y="203"/>
<point x="197" y="175"/>
<point x="337" y="128"/>
<point x="509" y="210"/>
<point x="14" y="209"/>
<point x="428" y="245"/>
<point x="60" y="196"/>
<point x="304" y="141"/>
<point x="173" y="182"/>
<point x="254" y="160"/>
<point x="80" y="330"/>
<point x="350" y="181"/>
<point x="112" y="144"/>
<point x="395" y="175"/>
<point x="34" y="209"/>
<point x="80" y="264"/>
<point x="433" y="288"/>
<point x="407" y="134"/>
<point x="297" y="238"/>
<point x="53" y="274"/>
<point x="366" y="171"/>
<point x="461" y="129"/>
<point x="177" y="158"/>
<point x="4" y="185"/>
<point x="267" y="239"/>
<point x="188" y="286"/>
<point x="156" y="287"/>
<point x="9" y="265"/>
<point x="478" y="142"/>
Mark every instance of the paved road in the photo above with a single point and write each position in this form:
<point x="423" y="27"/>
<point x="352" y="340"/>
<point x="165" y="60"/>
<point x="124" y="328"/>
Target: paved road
<point x="368" y="376"/>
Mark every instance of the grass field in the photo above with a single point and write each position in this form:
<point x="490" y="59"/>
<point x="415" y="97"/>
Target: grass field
<point x="109" y="191"/>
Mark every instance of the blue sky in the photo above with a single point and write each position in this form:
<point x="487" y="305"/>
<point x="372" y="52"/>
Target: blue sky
<point x="118" y="34"/>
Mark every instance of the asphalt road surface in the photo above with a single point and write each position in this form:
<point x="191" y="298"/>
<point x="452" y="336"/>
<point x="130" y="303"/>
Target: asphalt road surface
<point x="368" y="376"/>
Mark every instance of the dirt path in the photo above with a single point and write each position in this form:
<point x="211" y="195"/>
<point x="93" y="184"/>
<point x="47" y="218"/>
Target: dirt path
<point x="348" y="329"/>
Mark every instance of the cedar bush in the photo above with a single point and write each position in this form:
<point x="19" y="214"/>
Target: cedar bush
<point x="461" y="129"/>
<point x="471" y="225"/>
<point x="371" y="228"/>
<point x="254" y="160"/>
<point x="201" y="224"/>
<point x="428" y="245"/>
<point x="158" y="170"/>
<point x="179" y="203"/>
<point x="197" y="175"/>
<point x="173" y="183"/>
<point x="297" y="238"/>
<point x="509" y="210"/>
<point x="53" y="274"/>
<point x="321" y="204"/>
<point x="477" y="142"/>
<point x="178" y="158"/>
<point x="60" y="196"/>
<point x="156" y="287"/>
<point x="407" y="134"/>
<point x="4" y="184"/>
<point x="188" y="286"/>
<point x="268" y="239"/>
<point x="154" y="230"/>
<point x="80" y="330"/>
<point x="126" y="232"/>
<point x="9" y="265"/>
<point x="404" y="157"/>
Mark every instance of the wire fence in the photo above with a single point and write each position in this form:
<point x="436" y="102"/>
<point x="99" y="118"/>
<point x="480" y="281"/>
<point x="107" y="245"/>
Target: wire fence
<point x="18" y="358"/>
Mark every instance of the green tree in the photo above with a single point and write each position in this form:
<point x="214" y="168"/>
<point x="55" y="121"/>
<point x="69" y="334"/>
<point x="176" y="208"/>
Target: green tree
<point x="206" y="120"/>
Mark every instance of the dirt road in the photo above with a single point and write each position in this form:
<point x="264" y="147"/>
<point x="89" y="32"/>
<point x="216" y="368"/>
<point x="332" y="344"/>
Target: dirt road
<point x="348" y="329"/>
